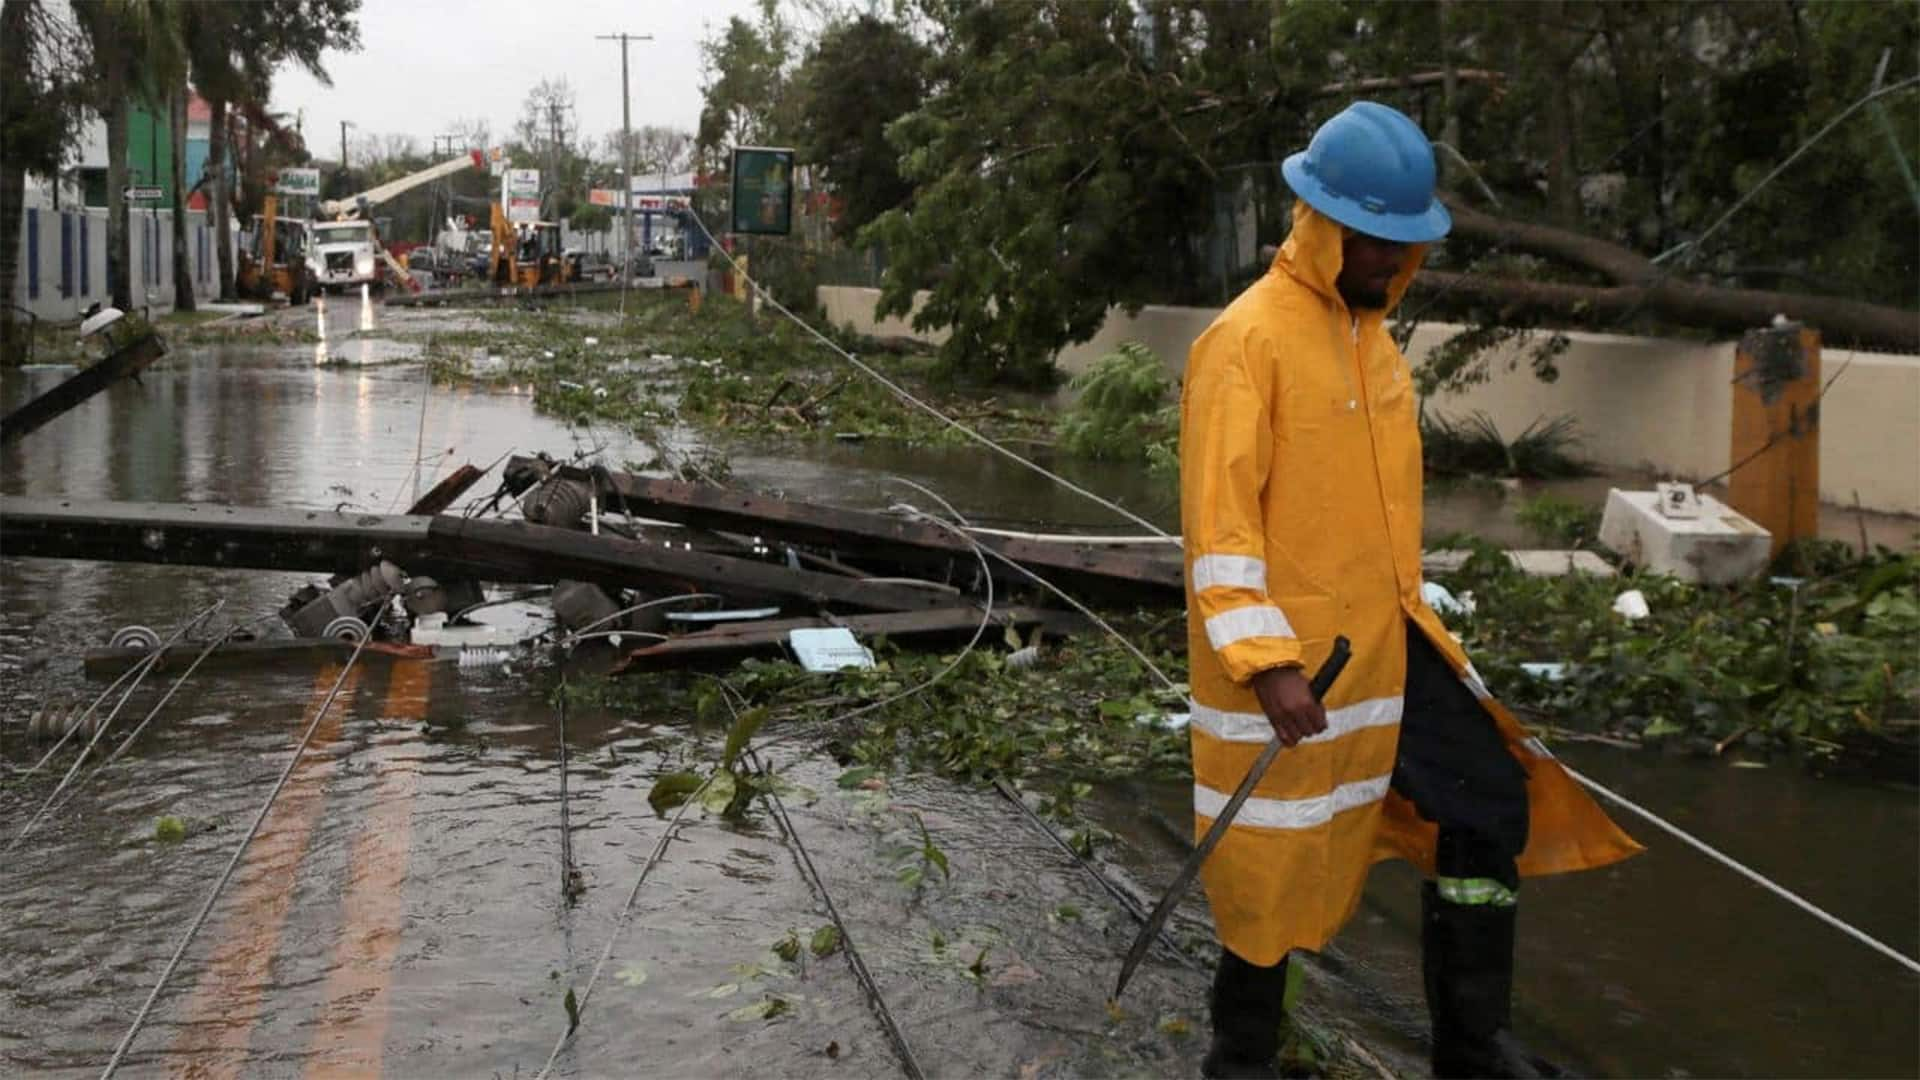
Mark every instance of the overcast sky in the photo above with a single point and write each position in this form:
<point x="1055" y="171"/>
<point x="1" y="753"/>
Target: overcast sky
<point x="425" y="64"/>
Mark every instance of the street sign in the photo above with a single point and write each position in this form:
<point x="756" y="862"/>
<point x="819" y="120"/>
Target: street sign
<point x="298" y="182"/>
<point x="762" y="190"/>
<point x="143" y="194"/>
<point x="520" y="195"/>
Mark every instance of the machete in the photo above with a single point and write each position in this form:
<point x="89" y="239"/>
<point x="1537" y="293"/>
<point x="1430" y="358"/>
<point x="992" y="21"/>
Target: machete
<point x="1322" y="681"/>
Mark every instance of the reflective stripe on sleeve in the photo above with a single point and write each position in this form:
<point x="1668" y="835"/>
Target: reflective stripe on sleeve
<point x="1252" y="727"/>
<point x="1252" y="621"/>
<point x="1229" y="571"/>
<point x="1476" y="891"/>
<point x="1475" y="683"/>
<point x="1293" y="813"/>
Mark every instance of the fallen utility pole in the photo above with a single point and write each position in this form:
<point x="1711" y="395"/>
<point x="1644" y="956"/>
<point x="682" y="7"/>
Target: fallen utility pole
<point x="125" y="362"/>
<point x="517" y="551"/>
<point x="444" y="546"/>
<point x="729" y="639"/>
<point x="1134" y="577"/>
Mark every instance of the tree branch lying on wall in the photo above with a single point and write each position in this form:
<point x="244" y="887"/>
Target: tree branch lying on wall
<point x="1642" y="287"/>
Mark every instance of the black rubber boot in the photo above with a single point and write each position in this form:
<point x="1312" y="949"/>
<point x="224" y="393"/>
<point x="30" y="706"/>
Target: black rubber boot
<point x="1248" y="1004"/>
<point x="1467" y="961"/>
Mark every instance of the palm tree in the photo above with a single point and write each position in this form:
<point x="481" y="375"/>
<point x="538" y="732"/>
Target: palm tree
<point x="136" y="47"/>
<point x="234" y="46"/>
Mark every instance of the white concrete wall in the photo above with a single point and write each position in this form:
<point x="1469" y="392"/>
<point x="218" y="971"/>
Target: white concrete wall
<point x="1640" y="402"/>
<point x="62" y="296"/>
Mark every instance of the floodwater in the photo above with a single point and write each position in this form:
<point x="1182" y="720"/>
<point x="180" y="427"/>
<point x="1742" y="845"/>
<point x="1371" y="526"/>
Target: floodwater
<point x="402" y="908"/>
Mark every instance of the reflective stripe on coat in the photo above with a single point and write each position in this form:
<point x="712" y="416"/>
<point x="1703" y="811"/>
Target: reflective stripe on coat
<point x="1300" y="505"/>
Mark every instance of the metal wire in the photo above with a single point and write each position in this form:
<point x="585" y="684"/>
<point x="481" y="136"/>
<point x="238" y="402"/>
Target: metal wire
<point x="1106" y="883"/>
<point x="137" y="672"/>
<point x="907" y="396"/>
<point x="908" y="1063"/>
<point x="155" y="711"/>
<point x="226" y="875"/>
<point x="620" y="924"/>
<point x="100" y="730"/>
<point x="1750" y="874"/>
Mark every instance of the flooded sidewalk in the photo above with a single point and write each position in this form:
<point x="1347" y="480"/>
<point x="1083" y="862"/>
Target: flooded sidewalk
<point x="403" y="910"/>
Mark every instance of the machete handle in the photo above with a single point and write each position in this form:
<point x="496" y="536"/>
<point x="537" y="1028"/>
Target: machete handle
<point x="1336" y="663"/>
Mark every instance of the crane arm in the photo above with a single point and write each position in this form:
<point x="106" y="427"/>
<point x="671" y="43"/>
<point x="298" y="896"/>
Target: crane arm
<point x="355" y="205"/>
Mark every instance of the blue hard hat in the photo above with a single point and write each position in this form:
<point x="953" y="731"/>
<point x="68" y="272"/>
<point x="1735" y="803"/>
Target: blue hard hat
<point x="1371" y="169"/>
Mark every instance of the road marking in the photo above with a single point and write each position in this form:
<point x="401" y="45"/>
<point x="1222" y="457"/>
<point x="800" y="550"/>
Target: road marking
<point x="217" y="1019"/>
<point x="351" y="1036"/>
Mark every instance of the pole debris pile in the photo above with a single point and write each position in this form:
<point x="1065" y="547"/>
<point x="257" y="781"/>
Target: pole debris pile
<point x="663" y="572"/>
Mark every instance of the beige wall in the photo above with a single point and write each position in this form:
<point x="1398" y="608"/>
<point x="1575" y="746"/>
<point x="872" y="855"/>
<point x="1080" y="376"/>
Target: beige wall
<point x="1639" y="402"/>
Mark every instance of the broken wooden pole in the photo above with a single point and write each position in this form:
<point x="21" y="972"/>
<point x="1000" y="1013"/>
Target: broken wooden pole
<point x="517" y="551"/>
<point x="952" y="623"/>
<point x="443" y="493"/>
<point x="1130" y="576"/>
<point x="1776" y="432"/>
<point x="125" y="362"/>
<point x="206" y="535"/>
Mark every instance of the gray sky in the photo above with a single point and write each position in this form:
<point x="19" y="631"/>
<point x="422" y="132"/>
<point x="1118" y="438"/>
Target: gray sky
<point x="424" y="64"/>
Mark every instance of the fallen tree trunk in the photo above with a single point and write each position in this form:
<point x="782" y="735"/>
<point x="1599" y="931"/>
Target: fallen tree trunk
<point x="1641" y="286"/>
<point x="1849" y="323"/>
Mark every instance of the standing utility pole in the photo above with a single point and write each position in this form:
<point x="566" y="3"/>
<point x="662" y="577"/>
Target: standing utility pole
<point x="344" y="125"/>
<point x="626" y="159"/>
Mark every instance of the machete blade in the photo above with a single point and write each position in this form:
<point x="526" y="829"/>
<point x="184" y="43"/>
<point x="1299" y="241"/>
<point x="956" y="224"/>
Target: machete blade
<point x="1322" y="682"/>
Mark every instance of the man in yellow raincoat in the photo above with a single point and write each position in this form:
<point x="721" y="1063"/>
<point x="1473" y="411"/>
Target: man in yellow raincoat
<point x="1300" y="504"/>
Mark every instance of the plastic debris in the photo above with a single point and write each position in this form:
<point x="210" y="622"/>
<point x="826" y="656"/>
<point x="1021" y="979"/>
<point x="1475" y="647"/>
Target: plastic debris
<point x="1631" y="605"/>
<point x="1444" y="602"/>
<point x="1549" y="672"/>
<point x="830" y="649"/>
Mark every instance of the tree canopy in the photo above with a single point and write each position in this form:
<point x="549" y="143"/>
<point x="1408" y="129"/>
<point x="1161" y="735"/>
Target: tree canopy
<point x="1064" y="156"/>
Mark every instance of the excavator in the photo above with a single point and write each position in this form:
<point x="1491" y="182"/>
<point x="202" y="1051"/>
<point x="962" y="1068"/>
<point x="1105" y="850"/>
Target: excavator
<point x="276" y="259"/>
<point x="526" y="253"/>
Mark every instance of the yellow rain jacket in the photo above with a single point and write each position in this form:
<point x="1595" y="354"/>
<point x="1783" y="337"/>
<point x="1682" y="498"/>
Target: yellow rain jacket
<point x="1300" y="503"/>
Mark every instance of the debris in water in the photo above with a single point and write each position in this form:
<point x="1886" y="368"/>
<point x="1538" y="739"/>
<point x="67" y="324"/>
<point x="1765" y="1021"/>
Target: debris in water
<point x="169" y="830"/>
<point x="788" y="948"/>
<point x="1176" y="1027"/>
<point x="573" y="1010"/>
<point x="826" y="941"/>
<point x="632" y="975"/>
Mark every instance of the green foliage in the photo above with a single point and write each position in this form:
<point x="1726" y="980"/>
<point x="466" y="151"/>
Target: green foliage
<point x="1473" y="445"/>
<point x="726" y="373"/>
<point x="1123" y="410"/>
<point x="927" y="857"/>
<point x="1064" y="165"/>
<point x="848" y="94"/>
<point x="169" y="830"/>
<point x="1799" y="666"/>
<point x="747" y="73"/>
<point x="1560" y="522"/>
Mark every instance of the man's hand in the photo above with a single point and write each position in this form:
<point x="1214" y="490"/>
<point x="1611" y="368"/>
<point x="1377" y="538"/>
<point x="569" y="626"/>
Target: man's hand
<point x="1289" y="703"/>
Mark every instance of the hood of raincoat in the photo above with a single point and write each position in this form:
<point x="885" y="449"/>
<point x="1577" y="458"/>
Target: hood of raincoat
<point x="1313" y="256"/>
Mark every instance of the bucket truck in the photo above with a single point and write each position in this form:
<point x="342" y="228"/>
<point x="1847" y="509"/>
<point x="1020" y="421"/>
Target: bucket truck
<point x="346" y="247"/>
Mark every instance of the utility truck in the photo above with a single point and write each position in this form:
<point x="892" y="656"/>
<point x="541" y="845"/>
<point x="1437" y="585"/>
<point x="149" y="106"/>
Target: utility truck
<point x="346" y="248"/>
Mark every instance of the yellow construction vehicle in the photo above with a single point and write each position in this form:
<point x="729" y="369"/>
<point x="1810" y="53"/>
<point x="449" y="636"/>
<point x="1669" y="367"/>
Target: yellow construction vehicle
<point x="275" y="261"/>
<point x="526" y="254"/>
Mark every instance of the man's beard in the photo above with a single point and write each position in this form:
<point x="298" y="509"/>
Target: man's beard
<point x="1364" y="301"/>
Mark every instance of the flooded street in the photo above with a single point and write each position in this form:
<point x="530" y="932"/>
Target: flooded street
<point x="402" y="909"/>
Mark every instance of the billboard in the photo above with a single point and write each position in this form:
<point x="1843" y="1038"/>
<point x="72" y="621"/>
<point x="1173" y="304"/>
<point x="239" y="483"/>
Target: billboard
<point x="298" y="182"/>
<point x="520" y="195"/>
<point x="762" y="190"/>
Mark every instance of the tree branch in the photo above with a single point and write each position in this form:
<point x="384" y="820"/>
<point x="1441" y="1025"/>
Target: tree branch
<point x="1705" y="307"/>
